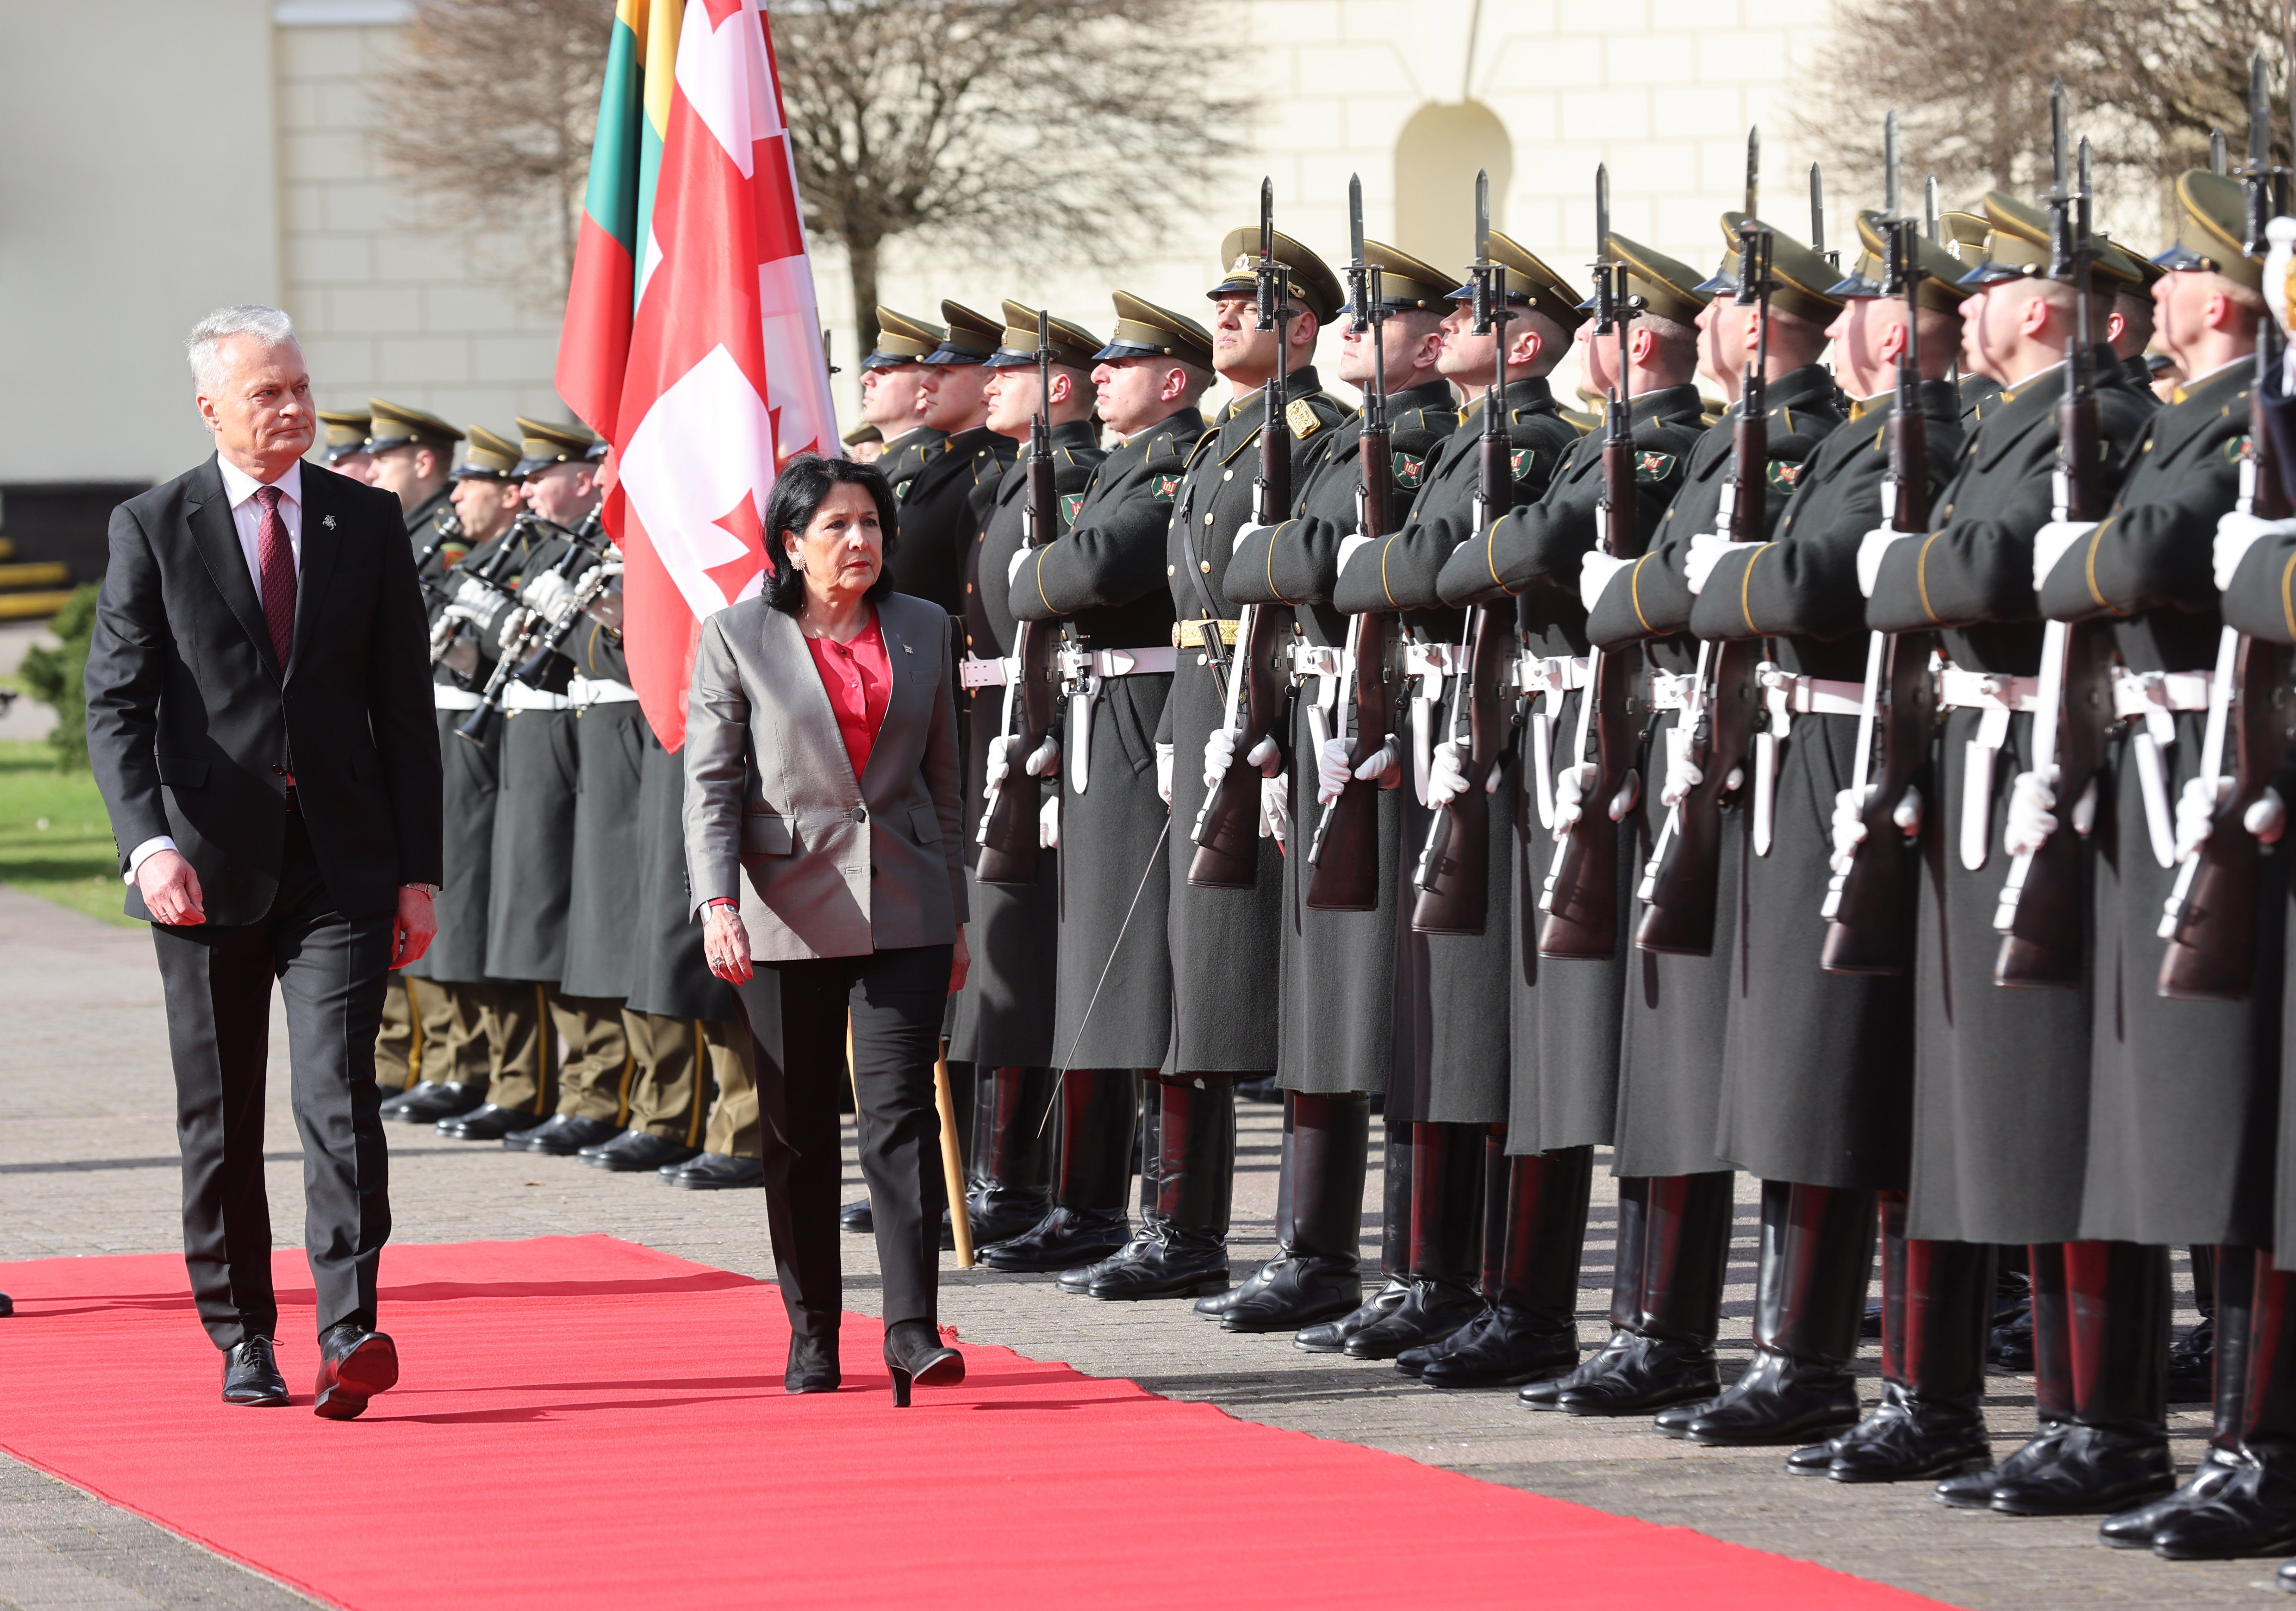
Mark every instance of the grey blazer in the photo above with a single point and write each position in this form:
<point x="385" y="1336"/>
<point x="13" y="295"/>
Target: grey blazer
<point x="841" y="867"/>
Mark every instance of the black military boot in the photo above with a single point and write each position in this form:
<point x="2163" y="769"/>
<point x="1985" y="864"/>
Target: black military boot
<point x="1686" y="1246"/>
<point x="1194" y="1190"/>
<point x="1626" y="1299"/>
<point x="1935" y="1307"/>
<point x="1496" y="1184"/>
<point x="1100" y="1108"/>
<point x="1218" y="1304"/>
<point x="1394" y="1253"/>
<point x="1147" y="1156"/>
<point x="2116" y="1450"/>
<point x="1447" y="1235"/>
<point x="1798" y="1384"/>
<point x="1319" y="1221"/>
<point x="1012" y="1185"/>
<point x="2049" y="1310"/>
<point x="2235" y="1272"/>
<point x="2253" y="1511"/>
<point x="1531" y="1329"/>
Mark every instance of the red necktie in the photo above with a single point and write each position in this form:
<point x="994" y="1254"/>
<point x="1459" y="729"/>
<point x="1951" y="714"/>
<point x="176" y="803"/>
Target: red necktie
<point x="277" y="559"/>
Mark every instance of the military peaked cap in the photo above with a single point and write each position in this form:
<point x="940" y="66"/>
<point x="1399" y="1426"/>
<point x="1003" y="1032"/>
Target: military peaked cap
<point x="1313" y="285"/>
<point x="1072" y="344"/>
<point x="396" y="426"/>
<point x="2211" y="219"/>
<point x="542" y="444"/>
<point x="1801" y="282"/>
<point x="488" y="458"/>
<point x="1146" y="331"/>
<point x="1531" y="284"/>
<point x="901" y="340"/>
<point x="1658" y="284"/>
<point x="2017" y="247"/>
<point x="347" y="433"/>
<point x="1406" y="284"/>
<point x="971" y="337"/>
<point x="1940" y="288"/>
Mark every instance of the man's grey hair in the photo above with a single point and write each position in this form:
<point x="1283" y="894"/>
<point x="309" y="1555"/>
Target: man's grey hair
<point x="268" y="325"/>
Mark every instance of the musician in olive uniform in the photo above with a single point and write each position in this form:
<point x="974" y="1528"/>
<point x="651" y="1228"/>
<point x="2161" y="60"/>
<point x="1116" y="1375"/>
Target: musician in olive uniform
<point x="1564" y="1014"/>
<point x="1452" y="1062"/>
<point x="1671" y="1040"/>
<point x="1818" y="1067"/>
<point x="1003" y="1026"/>
<point x="891" y="388"/>
<point x="1222" y="940"/>
<point x="412" y="454"/>
<point x="1103" y="580"/>
<point x="2179" y="1149"/>
<point x="947" y="498"/>
<point x="1335" y="1043"/>
<point x="2001" y="1078"/>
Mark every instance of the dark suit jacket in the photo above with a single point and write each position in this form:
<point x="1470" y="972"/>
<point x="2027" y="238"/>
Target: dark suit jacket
<point x="193" y="726"/>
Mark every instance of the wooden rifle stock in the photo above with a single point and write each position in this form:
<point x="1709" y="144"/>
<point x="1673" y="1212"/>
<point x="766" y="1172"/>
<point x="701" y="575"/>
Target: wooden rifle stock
<point x="1455" y="871"/>
<point x="1008" y="834"/>
<point x="1345" y="854"/>
<point x="1869" y="908"/>
<point x="1227" y="830"/>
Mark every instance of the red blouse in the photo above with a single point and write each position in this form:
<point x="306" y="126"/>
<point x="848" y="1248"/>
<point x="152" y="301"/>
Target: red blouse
<point x="859" y="681"/>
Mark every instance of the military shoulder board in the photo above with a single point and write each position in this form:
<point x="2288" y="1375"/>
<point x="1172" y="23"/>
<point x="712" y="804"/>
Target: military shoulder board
<point x="1518" y="462"/>
<point x="1070" y="502"/>
<point x="1409" y="470"/>
<point x="1653" y="466"/>
<point x="1783" y="475"/>
<point x="1301" y="417"/>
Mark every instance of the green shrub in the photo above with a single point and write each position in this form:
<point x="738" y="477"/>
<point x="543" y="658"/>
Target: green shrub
<point x="54" y="676"/>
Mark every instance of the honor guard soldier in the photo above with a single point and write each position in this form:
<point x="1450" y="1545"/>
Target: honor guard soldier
<point x="412" y="454"/>
<point x="949" y="497"/>
<point x="1447" y="1096"/>
<point x="471" y="602"/>
<point x="2000" y="1076"/>
<point x="347" y="433"/>
<point x="2178" y="1150"/>
<point x="1818" y="1068"/>
<point x="1004" y="1025"/>
<point x="1966" y="235"/>
<point x="1104" y="580"/>
<point x="1334" y="1042"/>
<point x="1672" y="1037"/>
<point x="892" y="387"/>
<point x="1565" y="1011"/>
<point x="2132" y="325"/>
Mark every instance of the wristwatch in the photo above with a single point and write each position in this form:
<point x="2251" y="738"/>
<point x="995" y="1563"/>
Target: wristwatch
<point x="430" y="889"/>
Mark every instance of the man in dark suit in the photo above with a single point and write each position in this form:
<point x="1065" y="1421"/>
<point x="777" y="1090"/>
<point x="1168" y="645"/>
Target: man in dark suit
<point x="259" y="718"/>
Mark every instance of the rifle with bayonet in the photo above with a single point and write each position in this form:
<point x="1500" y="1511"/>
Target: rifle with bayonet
<point x="1008" y="835"/>
<point x="2042" y="917"/>
<point x="525" y="625"/>
<point x="1682" y="883"/>
<point x="1454" y="875"/>
<point x="1869" y="902"/>
<point x="1344" y="853"/>
<point x="2210" y="918"/>
<point x="1254" y="681"/>
<point x="1580" y="897"/>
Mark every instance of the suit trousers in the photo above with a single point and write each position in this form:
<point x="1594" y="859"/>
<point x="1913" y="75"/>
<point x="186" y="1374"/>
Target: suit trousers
<point x="217" y="979"/>
<point x="797" y="1014"/>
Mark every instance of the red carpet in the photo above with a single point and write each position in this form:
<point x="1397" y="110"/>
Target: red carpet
<point x="585" y="1423"/>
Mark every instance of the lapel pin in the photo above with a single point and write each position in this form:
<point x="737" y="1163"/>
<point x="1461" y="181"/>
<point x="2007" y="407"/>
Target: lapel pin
<point x="906" y="649"/>
<point x="328" y="521"/>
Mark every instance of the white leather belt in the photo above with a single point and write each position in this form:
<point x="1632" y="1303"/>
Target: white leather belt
<point x="1553" y="676"/>
<point x="2156" y="696"/>
<point x="1963" y="690"/>
<point x="1435" y="660"/>
<point x="1535" y="674"/>
<point x="446" y="697"/>
<point x="1671" y="691"/>
<point x="1425" y="665"/>
<point x="1308" y="660"/>
<point x="517" y="696"/>
<point x="1079" y="663"/>
<point x="599" y="691"/>
<point x="1998" y="695"/>
<point x="1082" y="671"/>
<point x="1790" y="693"/>
<point x="974" y="672"/>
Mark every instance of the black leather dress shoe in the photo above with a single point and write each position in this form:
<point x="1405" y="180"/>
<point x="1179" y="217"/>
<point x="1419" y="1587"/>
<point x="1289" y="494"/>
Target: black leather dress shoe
<point x="1547" y="1394"/>
<point x="1332" y="1336"/>
<point x="635" y="1149"/>
<point x="1503" y="1347"/>
<point x="2192" y="1365"/>
<point x="436" y="1099"/>
<point x="487" y="1123"/>
<point x="812" y="1364"/>
<point x="855" y="1220"/>
<point x="1902" y="1440"/>
<point x="355" y="1364"/>
<point x="715" y="1172"/>
<point x="2284" y="1580"/>
<point x="1430" y="1310"/>
<point x="1077" y="1282"/>
<point x="1974" y="1491"/>
<point x="250" y="1374"/>
<point x="1285" y="1294"/>
<point x="1181" y="1264"/>
<point x="393" y="1102"/>
<point x="1647" y="1375"/>
<point x="1066" y="1238"/>
<point x="2105" y="1469"/>
<point x="2134" y="1529"/>
<point x="562" y="1136"/>
<point x="1777" y="1400"/>
<point x="999" y="1214"/>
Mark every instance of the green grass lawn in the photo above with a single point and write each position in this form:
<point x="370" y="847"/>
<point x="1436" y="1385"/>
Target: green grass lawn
<point x="55" y="841"/>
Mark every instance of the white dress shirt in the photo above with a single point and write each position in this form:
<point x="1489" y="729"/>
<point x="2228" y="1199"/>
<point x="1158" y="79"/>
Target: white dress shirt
<point x="247" y="515"/>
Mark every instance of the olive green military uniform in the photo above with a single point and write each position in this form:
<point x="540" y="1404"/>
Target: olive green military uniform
<point x="944" y="502"/>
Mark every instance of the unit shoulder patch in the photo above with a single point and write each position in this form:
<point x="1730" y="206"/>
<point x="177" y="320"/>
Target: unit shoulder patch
<point x="1070" y="502"/>
<point x="1409" y="470"/>
<point x="1519" y="461"/>
<point x="1783" y="475"/>
<point x="2236" y="448"/>
<point x="1301" y="417"/>
<point x="1164" y="488"/>
<point x="901" y="488"/>
<point x="1654" y="466"/>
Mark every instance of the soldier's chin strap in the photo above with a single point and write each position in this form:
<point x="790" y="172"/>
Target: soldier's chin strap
<point x="1122" y="929"/>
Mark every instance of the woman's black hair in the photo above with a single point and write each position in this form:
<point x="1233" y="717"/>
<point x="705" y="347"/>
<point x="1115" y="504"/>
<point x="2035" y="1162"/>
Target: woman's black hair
<point x="804" y="482"/>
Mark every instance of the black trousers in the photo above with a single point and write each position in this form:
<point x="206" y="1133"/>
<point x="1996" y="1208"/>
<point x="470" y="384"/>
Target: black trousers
<point x="796" y="1013"/>
<point x="332" y="972"/>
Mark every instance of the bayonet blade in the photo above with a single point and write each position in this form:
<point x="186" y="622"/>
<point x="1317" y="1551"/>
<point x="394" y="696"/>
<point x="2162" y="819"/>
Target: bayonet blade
<point x="2259" y="116"/>
<point x="1889" y="165"/>
<point x="1355" y="219"/>
<point x="1931" y="223"/>
<point x="1267" y="220"/>
<point x="1482" y="216"/>
<point x="1602" y="211"/>
<point x="2057" y="134"/>
<point x="1753" y="173"/>
<point x="1817" y="211"/>
<point x="2217" y="159"/>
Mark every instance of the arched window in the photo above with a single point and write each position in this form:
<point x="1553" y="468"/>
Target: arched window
<point x="1436" y="157"/>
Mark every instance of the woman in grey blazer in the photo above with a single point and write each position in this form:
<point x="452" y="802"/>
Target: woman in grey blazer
<point x="821" y="760"/>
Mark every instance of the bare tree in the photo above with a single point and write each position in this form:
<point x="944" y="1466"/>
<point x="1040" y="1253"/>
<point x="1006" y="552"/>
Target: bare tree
<point x="488" y="115"/>
<point x="1062" y="126"/>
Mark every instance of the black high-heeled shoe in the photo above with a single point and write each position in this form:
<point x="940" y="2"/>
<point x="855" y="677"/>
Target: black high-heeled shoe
<point x="812" y="1364"/>
<point x="914" y="1354"/>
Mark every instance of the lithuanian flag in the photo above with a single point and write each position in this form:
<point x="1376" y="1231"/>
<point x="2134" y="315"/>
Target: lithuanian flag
<point x="618" y="209"/>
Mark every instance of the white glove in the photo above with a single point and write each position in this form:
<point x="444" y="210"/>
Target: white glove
<point x="458" y="610"/>
<point x="1595" y="570"/>
<point x="1447" y="776"/>
<point x="1383" y="765"/>
<point x="1571" y="786"/>
<point x="999" y="765"/>
<point x="1871" y="548"/>
<point x="1243" y="532"/>
<point x="1220" y="755"/>
<point x="1048" y="824"/>
<point x="1013" y="566"/>
<point x="1044" y="761"/>
<point x="1706" y="551"/>
<point x="2266" y="819"/>
<point x="547" y="595"/>
<point x="1276" y="809"/>
<point x="1332" y="773"/>
<point x="2050" y="543"/>
<point x="1164" y="771"/>
<point x="1349" y="546"/>
<point x="2236" y="533"/>
<point x="1849" y="822"/>
<point x="2032" y="813"/>
<point x="1682" y="773"/>
<point x="475" y="595"/>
